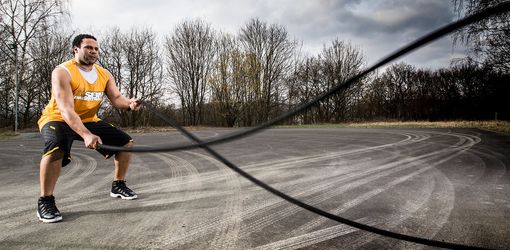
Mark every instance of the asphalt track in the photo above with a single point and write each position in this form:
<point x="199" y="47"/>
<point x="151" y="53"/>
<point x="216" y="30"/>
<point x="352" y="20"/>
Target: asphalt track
<point x="448" y="185"/>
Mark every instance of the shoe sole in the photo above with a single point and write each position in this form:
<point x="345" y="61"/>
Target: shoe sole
<point x="123" y="197"/>
<point x="56" y="219"/>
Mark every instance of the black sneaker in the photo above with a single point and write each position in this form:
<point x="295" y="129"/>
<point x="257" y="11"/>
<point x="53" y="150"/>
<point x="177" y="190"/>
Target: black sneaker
<point x="119" y="189"/>
<point x="47" y="211"/>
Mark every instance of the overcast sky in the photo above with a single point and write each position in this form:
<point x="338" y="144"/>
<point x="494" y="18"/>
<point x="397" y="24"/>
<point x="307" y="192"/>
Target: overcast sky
<point x="378" y="27"/>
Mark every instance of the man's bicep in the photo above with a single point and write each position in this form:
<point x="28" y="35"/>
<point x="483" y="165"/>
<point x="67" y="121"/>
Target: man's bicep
<point x="112" y="91"/>
<point x="61" y="87"/>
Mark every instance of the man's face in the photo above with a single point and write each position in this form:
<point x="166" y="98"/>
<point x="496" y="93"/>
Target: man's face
<point x="88" y="52"/>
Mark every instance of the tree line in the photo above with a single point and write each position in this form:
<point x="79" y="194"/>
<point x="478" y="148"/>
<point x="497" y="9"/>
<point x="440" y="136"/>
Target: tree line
<point x="201" y="76"/>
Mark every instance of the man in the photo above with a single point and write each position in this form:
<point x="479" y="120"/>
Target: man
<point x="77" y="88"/>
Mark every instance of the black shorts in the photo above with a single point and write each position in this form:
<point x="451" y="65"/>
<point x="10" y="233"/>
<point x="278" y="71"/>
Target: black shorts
<point x="59" y="136"/>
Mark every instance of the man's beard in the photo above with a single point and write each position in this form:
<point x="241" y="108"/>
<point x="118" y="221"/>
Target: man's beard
<point x="87" y="61"/>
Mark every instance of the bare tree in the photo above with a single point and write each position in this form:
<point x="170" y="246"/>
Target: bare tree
<point x="398" y="79"/>
<point x="48" y="50"/>
<point x="307" y="83"/>
<point x="6" y="87"/>
<point x="228" y="81"/>
<point x="135" y="63"/>
<point x="23" y="20"/>
<point x="340" y="61"/>
<point x="270" y="50"/>
<point x="190" y="57"/>
<point x="376" y="99"/>
<point x="444" y="96"/>
<point x="145" y="70"/>
<point x="489" y="37"/>
<point x="112" y="56"/>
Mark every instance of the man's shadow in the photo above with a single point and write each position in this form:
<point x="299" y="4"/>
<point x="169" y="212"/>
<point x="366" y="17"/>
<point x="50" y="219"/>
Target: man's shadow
<point x="171" y="205"/>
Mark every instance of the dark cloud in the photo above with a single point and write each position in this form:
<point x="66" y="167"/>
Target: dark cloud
<point x="376" y="26"/>
<point x="403" y="17"/>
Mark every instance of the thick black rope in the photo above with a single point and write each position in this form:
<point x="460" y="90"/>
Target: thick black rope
<point x="434" y="35"/>
<point x="504" y="7"/>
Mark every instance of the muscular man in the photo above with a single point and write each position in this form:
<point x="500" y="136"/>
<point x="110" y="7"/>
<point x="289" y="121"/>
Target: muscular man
<point x="77" y="88"/>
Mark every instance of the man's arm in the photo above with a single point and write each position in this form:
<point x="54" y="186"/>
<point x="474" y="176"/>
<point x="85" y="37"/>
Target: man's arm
<point x="61" y="87"/>
<point x="116" y="98"/>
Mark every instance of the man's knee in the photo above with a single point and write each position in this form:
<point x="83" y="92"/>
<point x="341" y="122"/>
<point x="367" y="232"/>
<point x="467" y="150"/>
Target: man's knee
<point x="129" y="144"/>
<point x="124" y="153"/>
<point x="56" y="155"/>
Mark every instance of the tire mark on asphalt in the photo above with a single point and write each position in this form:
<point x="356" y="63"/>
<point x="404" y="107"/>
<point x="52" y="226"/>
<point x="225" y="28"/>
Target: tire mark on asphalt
<point x="87" y="168"/>
<point x="432" y="216"/>
<point x="180" y="169"/>
<point x="314" y="237"/>
<point x="217" y="222"/>
<point x="302" y="160"/>
<point x="226" y="236"/>
<point x="72" y="168"/>
<point x="203" y="228"/>
<point x="288" y="166"/>
<point x="150" y="216"/>
<point x="272" y="165"/>
<point x="444" y="196"/>
<point x="320" y="235"/>
<point x="72" y="197"/>
<point x="185" y="176"/>
<point x="440" y="218"/>
<point x="328" y="194"/>
<point x="357" y="201"/>
<point x="275" y="164"/>
<point x="92" y="206"/>
<point x="68" y="175"/>
<point x="366" y="196"/>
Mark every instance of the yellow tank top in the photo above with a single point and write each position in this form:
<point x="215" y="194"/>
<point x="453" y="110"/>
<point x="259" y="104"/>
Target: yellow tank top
<point x="87" y="96"/>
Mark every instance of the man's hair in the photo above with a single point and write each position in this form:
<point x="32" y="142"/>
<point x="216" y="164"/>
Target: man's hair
<point x="79" y="38"/>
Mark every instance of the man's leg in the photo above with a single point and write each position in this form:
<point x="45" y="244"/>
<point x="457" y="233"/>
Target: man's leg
<point x="122" y="164"/>
<point x="111" y="135"/>
<point x="119" y="188"/>
<point x="49" y="171"/>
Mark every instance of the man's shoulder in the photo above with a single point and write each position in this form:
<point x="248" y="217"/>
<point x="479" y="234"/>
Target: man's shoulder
<point x="101" y="70"/>
<point x="66" y="64"/>
<point x="61" y="74"/>
<point x="63" y="67"/>
<point x="99" y="67"/>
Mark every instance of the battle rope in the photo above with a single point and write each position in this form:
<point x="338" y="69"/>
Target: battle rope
<point x="198" y="143"/>
<point x="434" y="35"/>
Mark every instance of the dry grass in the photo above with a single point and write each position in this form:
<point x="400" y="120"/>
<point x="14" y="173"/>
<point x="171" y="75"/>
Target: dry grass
<point x="147" y="130"/>
<point x="158" y="129"/>
<point x="495" y="126"/>
<point x="7" y="133"/>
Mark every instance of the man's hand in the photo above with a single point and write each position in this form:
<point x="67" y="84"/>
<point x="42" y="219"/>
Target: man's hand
<point x="134" y="104"/>
<point x="92" y="141"/>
